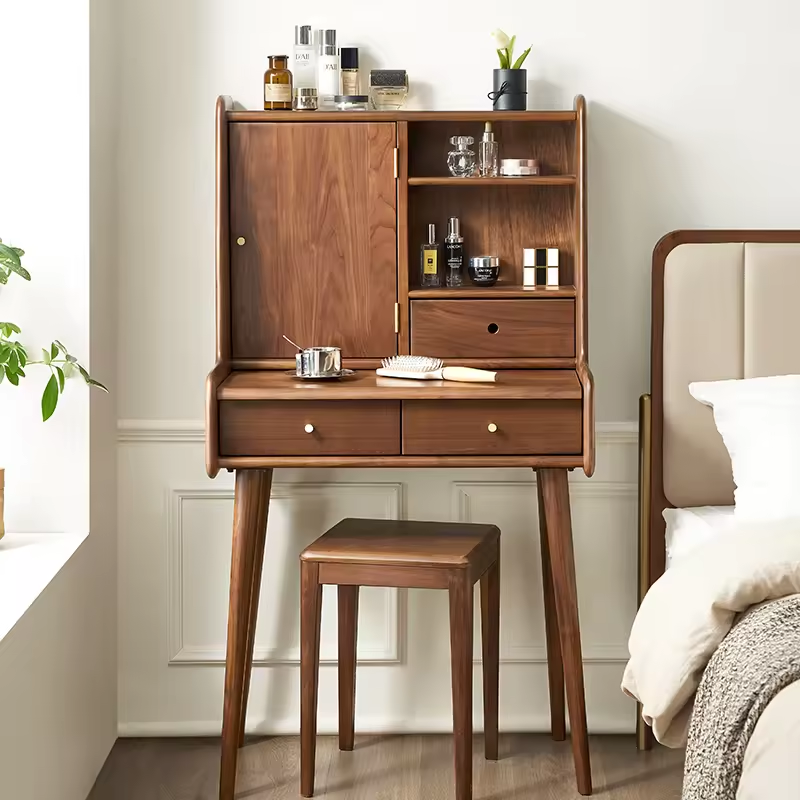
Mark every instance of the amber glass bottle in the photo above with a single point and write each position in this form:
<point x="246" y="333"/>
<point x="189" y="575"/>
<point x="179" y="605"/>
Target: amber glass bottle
<point x="278" y="85"/>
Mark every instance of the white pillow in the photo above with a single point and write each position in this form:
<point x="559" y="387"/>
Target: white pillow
<point x="689" y="528"/>
<point x="759" y="421"/>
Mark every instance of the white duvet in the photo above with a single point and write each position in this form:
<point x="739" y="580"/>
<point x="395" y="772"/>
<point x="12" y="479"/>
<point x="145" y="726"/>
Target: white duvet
<point x="688" y="611"/>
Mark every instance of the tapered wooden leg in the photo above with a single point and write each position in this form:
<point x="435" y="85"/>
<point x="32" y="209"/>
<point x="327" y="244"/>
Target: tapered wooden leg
<point x="249" y="518"/>
<point x="555" y="499"/>
<point x="555" y="665"/>
<point x="310" y="614"/>
<point x="490" y="637"/>
<point x="348" y="627"/>
<point x="255" y="592"/>
<point x="461" y="665"/>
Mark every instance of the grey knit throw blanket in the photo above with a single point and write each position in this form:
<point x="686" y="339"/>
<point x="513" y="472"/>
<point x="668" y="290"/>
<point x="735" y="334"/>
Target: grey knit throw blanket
<point x="759" y="657"/>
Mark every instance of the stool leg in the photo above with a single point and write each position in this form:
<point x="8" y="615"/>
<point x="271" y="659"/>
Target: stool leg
<point x="310" y="615"/>
<point x="461" y="665"/>
<point x="555" y="496"/>
<point x="490" y="637"/>
<point x="348" y="627"/>
<point x="255" y="591"/>
<point x="249" y="516"/>
<point x="555" y="666"/>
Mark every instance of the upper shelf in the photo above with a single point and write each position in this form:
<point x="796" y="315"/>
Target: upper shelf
<point x="401" y="116"/>
<point x="531" y="180"/>
<point x="497" y="292"/>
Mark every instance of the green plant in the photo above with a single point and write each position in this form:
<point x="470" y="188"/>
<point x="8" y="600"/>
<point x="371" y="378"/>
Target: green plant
<point x="14" y="356"/>
<point x="505" y="50"/>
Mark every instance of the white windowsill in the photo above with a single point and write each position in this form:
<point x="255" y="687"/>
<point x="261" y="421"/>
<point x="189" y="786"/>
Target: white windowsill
<point x="28" y="562"/>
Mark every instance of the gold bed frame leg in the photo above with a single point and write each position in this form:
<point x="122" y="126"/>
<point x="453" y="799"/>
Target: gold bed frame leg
<point x="644" y="735"/>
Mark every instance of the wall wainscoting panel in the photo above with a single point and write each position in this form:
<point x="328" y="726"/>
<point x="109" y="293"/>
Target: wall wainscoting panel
<point x="199" y="560"/>
<point x="174" y="562"/>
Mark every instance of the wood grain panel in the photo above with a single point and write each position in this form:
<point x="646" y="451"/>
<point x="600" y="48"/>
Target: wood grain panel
<point x="492" y="328"/>
<point x="255" y="428"/>
<point x="547" y="427"/>
<point x="496" y="221"/>
<point x="315" y="206"/>
<point x="540" y="384"/>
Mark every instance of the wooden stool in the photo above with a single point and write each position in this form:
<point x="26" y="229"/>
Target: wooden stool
<point x="416" y="555"/>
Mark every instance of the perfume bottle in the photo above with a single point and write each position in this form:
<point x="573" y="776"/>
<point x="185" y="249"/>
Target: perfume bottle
<point x="388" y="89"/>
<point x="304" y="62"/>
<point x="454" y="253"/>
<point x="278" y="85"/>
<point x="348" y="57"/>
<point x="461" y="161"/>
<point x="488" y="153"/>
<point x="429" y="261"/>
<point x="327" y="69"/>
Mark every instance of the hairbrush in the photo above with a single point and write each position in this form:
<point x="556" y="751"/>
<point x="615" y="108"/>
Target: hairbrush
<point x="432" y="369"/>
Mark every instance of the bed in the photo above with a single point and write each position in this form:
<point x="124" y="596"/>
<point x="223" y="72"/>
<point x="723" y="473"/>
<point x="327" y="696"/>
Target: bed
<point x="724" y="305"/>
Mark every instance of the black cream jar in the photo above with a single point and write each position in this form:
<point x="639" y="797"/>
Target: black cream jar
<point x="484" y="270"/>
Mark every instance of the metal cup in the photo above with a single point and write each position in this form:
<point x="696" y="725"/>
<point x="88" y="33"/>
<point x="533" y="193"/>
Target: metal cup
<point x="319" y="362"/>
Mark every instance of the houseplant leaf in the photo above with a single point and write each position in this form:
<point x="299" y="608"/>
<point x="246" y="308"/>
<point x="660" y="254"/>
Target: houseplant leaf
<point x="49" y="398"/>
<point x="53" y="351"/>
<point x="10" y="259"/>
<point x="518" y="63"/>
<point x="503" y="59"/>
<point x="60" y="373"/>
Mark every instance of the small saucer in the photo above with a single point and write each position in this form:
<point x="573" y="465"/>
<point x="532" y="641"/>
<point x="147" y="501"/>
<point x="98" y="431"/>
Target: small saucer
<point x="343" y="374"/>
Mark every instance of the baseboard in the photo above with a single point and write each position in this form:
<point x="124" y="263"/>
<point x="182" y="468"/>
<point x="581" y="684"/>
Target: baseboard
<point x="327" y="726"/>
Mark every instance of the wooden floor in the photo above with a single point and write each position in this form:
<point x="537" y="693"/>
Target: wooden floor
<point x="386" y="768"/>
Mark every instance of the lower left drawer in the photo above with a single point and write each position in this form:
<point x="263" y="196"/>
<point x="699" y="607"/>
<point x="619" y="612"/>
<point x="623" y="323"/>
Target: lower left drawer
<point x="300" y="428"/>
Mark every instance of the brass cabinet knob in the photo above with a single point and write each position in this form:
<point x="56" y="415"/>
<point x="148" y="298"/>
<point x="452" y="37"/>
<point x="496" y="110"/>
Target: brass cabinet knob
<point x="309" y="428"/>
<point x="240" y="241"/>
<point x="491" y="427"/>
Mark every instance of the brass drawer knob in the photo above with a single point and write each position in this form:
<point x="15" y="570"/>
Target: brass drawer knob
<point x="240" y="241"/>
<point x="491" y="427"/>
<point x="309" y="428"/>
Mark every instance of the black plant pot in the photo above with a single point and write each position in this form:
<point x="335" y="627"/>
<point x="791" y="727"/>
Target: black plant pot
<point x="510" y="90"/>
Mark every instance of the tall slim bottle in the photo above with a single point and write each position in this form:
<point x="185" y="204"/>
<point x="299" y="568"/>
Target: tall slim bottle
<point x="430" y="260"/>
<point x="304" y="58"/>
<point x="327" y="69"/>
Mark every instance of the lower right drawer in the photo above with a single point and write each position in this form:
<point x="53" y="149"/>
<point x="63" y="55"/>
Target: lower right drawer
<point x="503" y="427"/>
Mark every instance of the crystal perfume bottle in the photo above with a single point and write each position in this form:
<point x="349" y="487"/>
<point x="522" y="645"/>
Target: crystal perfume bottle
<point x="454" y="254"/>
<point x="461" y="160"/>
<point x="429" y="260"/>
<point x="488" y="153"/>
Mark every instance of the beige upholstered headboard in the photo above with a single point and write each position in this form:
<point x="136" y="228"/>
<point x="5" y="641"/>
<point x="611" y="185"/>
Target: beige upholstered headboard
<point x="726" y="304"/>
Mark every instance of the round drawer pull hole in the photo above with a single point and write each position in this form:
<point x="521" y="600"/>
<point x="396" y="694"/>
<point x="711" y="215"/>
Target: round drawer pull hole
<point x="309" y="428"/>
<point x="493" y="327"/>
<point x="491" y="427"/>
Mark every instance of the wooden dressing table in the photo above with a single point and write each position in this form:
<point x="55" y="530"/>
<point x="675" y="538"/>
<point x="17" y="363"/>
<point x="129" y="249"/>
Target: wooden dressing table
<point x="319" y="221"/>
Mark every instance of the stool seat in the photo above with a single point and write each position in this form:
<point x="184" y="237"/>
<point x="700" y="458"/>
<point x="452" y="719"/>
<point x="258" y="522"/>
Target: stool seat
<point x="386" y="542"/>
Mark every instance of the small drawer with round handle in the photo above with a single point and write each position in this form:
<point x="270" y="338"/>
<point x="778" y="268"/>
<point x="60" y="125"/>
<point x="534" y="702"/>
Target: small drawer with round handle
<point x="530" y="328"/>
<point x="309" y="428"/>
<point x="501" y="427"/>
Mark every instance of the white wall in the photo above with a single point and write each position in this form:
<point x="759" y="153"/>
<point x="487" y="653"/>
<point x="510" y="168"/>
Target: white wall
<point x="691" y="124"/>
<point x="58" y="666"/>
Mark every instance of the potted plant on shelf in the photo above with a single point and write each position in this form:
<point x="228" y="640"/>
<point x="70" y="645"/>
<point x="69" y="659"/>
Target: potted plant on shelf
<point x="14" y="358"/>
<point x="510" y="90"/>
